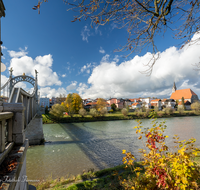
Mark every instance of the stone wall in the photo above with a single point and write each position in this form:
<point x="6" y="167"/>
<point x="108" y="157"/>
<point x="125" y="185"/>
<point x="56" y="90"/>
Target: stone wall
<point x="34" y="131"/>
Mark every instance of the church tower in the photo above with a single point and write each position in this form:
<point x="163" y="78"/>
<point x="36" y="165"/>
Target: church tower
<point x="174" y="88"/>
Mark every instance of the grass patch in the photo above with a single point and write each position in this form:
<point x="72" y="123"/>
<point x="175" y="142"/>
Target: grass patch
<point x="103" y="179"/>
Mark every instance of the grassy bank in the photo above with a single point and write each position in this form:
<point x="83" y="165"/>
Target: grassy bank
<point x="103" y="179"/>
<point x="47" y="118"/>
<point x="110" y="178"/>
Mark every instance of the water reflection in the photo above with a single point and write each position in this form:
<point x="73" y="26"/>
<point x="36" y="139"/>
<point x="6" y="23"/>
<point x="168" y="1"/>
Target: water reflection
<point x="71" y="148"/>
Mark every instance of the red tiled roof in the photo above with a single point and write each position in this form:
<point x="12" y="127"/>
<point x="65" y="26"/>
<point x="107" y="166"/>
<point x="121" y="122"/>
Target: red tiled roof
<point x="155" y="100"/>
<point x="186" y="102"/>
<point x="135" y="104"/>
<point x="91" y="103"/>
<point x="186" y="93"/>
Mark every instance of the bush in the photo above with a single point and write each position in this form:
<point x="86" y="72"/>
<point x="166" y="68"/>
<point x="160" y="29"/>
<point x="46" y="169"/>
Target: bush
<point x="111" y="111"/>
<point x="93" y="112"/>
<point x="124" y="111"/>
<point x="163" y="169"/>
<point x="82" y="112"/>
<point x="180" y="110"/>
<point x="103" y="111"/>
<point x="169" y="111"/>
<point x="57" y="110"/>
<point x="195" y="106"/>
<point x="156" y="108"/>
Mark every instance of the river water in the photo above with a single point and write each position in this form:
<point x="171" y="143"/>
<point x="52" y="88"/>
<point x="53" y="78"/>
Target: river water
<point x="72" y="148"/>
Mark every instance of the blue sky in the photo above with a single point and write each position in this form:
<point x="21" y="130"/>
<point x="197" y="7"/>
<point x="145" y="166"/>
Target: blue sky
<point x="73" y="57"/>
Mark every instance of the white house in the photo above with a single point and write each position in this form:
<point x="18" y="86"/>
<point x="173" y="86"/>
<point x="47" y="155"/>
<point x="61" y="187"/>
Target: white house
<point x="44" y="102"/>
<point x="136" y="105"/>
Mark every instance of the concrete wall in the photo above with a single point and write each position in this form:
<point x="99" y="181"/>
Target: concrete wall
<point x="17" y="179"/>
<point x="34" y="131"/>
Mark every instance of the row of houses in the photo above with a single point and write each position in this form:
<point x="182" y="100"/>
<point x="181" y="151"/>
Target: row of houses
<point x="175" y="99"/>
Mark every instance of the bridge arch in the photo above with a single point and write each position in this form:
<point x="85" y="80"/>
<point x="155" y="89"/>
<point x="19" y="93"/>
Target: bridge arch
<point x="22" y="78"/>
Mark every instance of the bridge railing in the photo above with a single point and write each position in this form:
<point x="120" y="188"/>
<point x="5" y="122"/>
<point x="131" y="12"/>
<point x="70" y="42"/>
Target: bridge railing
<point x="5" y="129"/>
<point x="29" y="101"/>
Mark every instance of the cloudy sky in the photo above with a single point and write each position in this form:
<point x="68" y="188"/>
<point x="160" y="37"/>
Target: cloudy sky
<point x="73" y="57"/>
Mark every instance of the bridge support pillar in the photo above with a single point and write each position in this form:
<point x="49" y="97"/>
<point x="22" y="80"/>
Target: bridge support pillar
<point x="18" y="121"/>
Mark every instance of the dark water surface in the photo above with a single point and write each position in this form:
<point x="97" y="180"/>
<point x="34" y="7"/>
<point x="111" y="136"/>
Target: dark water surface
<point x="81" y="146"/>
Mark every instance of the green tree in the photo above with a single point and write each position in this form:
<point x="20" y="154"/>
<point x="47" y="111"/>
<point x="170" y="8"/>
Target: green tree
<point x="113" y="107"/>
<point x="183" y="102"/>
<point x="143" y="19"/>
<point x="57" y="110"/>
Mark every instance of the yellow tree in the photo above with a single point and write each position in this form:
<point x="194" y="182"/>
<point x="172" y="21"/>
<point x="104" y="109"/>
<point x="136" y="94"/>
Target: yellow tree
<point x="101" y="103"/>
<point x="68" y="105"/>
<point x="77" y="102"/>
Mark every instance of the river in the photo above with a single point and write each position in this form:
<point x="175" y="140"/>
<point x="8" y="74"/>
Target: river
<point x="72" y="148"/>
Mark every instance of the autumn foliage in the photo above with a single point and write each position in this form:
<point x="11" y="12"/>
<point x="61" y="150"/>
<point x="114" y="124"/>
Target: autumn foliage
<point x="164" y="169"/>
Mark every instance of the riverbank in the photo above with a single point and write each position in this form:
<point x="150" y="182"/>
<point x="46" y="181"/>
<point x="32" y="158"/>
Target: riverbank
<point x="110" y="178"/>
<point x="103" y="179"/>
<point x="48" y="119"/>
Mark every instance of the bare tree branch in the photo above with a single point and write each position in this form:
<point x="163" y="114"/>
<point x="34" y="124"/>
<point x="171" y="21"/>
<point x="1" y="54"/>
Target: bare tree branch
<point x="143" y="19"/>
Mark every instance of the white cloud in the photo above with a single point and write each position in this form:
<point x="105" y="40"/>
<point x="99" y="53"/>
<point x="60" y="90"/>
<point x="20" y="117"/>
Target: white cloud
<point x="86" y="68"/>
<point x="51" y="92"/>
<point x="98" y="31"/>
<point x="101" y="50"/>
<point x="3" y="47"/>
<point x="72" y="86"/>
<point x="21" y="63"/>
<point x="85" y="33"/>
<point x="110" y="79"/>
<point x="64" y="75"/>
<point x="81" y="89"/>
<point x="15" y="54"/>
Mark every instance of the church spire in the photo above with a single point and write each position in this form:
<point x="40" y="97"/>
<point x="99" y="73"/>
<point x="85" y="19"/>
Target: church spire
<point x="174" y="88"/>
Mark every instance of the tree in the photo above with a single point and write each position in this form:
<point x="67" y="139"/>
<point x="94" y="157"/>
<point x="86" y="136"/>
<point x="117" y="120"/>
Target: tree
<point x="124" y="111"/>
<point x="93" y="112"/>
<point x="101" y="103"/>
<point x="142" y="19"/>
<point x="113" y="107"/>
<point x="82" y="112"/>
<point x="103" y="111"/>
<point x="195" y="106"/>
<point x="183" y="103"/>
<point x="61" y="98"/>
<point x="77" y="102"/>
<point x="68" y="105"/>
<point x="57" y="110"/>
<point x="73" y="103"/>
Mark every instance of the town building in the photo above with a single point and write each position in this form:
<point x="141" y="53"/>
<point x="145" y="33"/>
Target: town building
<point x="187" y="94"/>
<point x="118" y="102"/>
<point x="44" y="102"/>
